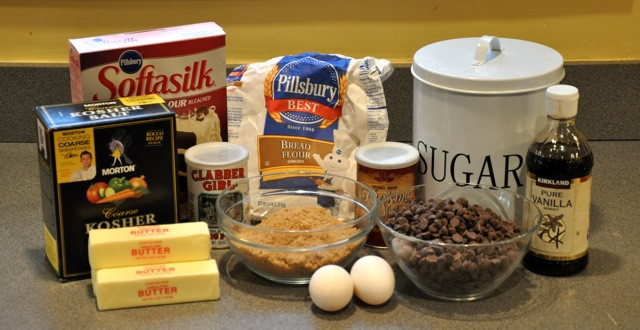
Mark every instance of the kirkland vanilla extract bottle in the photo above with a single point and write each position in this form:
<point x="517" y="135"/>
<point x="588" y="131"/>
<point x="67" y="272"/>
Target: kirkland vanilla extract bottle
<point x="559" y="166"/>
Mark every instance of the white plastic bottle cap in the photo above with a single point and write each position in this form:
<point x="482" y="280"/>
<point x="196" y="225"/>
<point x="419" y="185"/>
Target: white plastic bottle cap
<point x="386" y="155"/>
<point x="562" y="101"/>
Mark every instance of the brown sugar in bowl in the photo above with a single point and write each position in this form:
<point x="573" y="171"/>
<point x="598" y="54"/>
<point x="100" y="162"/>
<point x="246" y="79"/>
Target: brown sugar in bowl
<point x="286" y="234"/>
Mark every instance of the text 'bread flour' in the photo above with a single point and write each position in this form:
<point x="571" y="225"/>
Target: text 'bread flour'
<point x="307" y="112"/>
<point x="185" y="65"/>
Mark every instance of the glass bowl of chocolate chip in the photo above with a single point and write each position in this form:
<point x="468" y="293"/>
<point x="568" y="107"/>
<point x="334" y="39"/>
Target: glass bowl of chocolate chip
<point x="460" y="242"/>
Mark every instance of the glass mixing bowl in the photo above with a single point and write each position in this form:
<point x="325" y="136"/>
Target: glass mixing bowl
<point x="448" y="254"/>
<point x="286" y="233"/>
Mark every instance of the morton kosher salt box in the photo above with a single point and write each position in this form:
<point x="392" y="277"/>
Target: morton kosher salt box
<point x="106" y="164"/>
<point x="185" y="65"/>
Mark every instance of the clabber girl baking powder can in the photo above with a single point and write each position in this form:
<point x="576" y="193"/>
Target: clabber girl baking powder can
<point x="211" y="168"/>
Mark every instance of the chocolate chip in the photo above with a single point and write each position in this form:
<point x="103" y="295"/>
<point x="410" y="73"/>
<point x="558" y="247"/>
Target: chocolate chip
<point x="470" y="235"/>
<point x="455" y="222"/>
<point x="457" y="238"/>
<point x="484" y="264"/>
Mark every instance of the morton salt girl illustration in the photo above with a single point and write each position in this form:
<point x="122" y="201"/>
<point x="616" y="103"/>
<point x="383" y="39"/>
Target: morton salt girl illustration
<point x="559" y="181"/>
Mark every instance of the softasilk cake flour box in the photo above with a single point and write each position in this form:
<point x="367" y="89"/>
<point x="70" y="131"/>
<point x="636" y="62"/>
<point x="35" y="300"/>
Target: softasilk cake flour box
<point x="185" y="65"/>
<point x="105" y="164"/>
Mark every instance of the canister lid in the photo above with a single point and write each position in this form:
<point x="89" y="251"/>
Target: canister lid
<point x="488" y="65"/>
<point x="215" y="154"/>
<point x="386" y="155"/>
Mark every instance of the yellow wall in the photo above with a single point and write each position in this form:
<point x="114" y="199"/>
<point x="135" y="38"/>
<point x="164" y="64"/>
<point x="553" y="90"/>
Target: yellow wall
<point x="581" y="30"/>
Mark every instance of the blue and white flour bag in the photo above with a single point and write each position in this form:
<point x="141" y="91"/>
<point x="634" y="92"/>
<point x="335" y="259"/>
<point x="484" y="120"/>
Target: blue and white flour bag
<point x="307" y="114"/>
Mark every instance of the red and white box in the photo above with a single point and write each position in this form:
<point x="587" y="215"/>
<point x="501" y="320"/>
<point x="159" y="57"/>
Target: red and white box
<point x="185" y="65"/>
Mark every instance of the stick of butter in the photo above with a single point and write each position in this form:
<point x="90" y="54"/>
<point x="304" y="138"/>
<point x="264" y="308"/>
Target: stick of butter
<point x="157" y="284"/>
<point x="146" y="245"/>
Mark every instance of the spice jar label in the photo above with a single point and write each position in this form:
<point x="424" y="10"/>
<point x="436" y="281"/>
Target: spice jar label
<point x="385" y="182"/>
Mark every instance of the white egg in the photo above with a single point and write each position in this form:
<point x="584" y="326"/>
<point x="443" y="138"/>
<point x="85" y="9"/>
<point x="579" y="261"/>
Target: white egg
<point x="373" y="280"/>
<point x="331" y="288"/>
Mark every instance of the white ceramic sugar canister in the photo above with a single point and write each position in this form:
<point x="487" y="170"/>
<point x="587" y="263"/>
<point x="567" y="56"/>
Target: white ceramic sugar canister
<point x="477" y="105"/>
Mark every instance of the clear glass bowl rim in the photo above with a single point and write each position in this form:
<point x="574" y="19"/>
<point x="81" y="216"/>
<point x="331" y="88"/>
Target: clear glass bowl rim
<point x="454" y="185"/>
<point x="367" y="217"/>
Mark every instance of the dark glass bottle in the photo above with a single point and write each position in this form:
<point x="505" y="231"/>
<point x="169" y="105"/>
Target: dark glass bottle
<point x="559" y="164"/>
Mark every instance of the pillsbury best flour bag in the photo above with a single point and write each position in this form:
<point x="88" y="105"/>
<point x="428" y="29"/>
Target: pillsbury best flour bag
<point x="307" y="112"/>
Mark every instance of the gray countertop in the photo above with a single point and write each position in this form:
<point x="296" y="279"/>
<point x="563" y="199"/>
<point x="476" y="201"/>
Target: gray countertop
<point x="606" y="295"/>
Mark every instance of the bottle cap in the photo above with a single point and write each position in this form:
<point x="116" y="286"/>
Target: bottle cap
<point x="387" y="155"/>
<point x="562" y="101"/>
